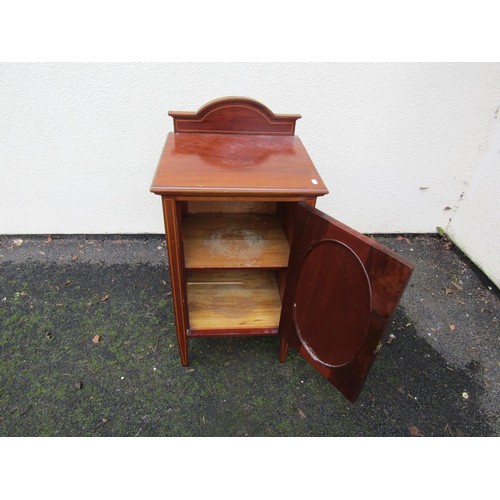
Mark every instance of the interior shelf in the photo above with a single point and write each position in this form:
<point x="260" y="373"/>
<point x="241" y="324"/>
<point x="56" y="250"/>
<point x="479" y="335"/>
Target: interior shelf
<point x="233" y="301"/>
<point x="233" y="241"/>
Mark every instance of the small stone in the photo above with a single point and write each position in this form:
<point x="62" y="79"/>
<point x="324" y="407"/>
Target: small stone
<point x="465" y="395"/>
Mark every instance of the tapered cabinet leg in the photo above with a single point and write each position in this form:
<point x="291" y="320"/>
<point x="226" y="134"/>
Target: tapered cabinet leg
<point x="283" y="350"/>
<point x="173" y="222"/>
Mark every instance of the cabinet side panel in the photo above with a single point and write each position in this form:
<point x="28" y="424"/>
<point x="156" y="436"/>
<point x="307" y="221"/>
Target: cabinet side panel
<point x="172" y="213"/>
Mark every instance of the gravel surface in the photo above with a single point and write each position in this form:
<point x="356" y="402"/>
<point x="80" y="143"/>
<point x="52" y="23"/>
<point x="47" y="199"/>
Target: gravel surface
<point x="88" y="348"/>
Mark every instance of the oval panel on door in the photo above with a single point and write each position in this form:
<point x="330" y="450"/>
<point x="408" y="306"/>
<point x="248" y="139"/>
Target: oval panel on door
<point x="332" y="303"/>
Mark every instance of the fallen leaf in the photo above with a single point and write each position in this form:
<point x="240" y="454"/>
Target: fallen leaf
<point x="49" y="238"/>
<point x="391" y="338"/>
<point x="48" y="335"/>
<point x="78" y="385"/>
<point x="17" y="242"/>
<point x="448" y="245"/>
<point x="423" y="187"/>
<point x="447" y="208"/>
<point x="104" y="298"/>
<point x="452" y="327"/>
<point x="74" y="257"/>
<point x="448" y="291"/>
<point x="402" y="238"/>
<point x="301" y="413"/>
<point x="96" y="339"/>
<point x="415" y="431"/>
<point x="102" y="422"/>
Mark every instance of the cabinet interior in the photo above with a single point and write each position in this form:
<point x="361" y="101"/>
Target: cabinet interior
<point x="236" y="258"/>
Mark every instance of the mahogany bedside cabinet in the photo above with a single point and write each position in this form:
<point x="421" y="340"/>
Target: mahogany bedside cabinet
<point x="250" y="255"/>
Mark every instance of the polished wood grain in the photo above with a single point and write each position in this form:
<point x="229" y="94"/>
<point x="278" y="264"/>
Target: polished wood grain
<point x="246" y="258"/>
<point x="234" y="115"/>
<point x="234" y="241"/>
<point x="233" y="156"/>
<point x="172" y="215"/>
<point x="231" y="207"/>
<point x="233" y="302"/>
<point x="332" y="303"/>
<point x="342" y="289"/>
<point x="215" y="165"/>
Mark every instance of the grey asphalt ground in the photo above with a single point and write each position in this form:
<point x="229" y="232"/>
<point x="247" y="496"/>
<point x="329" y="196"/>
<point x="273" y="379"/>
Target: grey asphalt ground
<point x="88" y="348"/>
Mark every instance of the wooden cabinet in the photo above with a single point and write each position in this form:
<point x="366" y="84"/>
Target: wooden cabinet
<point x="250" y="255"/>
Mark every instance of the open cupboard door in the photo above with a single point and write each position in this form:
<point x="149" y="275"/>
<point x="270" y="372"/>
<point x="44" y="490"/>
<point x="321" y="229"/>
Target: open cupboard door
<point x="342" y="289"/>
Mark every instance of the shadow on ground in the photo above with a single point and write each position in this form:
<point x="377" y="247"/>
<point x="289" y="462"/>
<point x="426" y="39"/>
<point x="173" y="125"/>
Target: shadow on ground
<point x="57" y="380"/>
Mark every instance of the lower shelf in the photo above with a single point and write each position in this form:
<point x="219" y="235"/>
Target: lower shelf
<point x="233" y="302"/>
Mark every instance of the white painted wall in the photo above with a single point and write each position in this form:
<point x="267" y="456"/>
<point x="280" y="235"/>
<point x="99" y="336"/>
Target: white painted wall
<point x="475" y="224"/>
<point x="79" y="143"/>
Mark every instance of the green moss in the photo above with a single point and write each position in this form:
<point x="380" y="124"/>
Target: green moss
<point x="66" y="385"/>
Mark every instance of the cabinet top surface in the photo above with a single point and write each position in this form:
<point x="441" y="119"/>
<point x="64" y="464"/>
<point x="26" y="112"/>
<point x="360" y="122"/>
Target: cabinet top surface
<point x="236" y="165"/>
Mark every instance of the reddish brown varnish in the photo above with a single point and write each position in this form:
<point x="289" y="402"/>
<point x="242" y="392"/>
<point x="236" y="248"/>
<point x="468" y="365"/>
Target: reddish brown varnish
<point x="236" y="166"/>
<point x="342" y="290"/>
<point x="234" y="115"/>
<point x="331" y="301"/>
